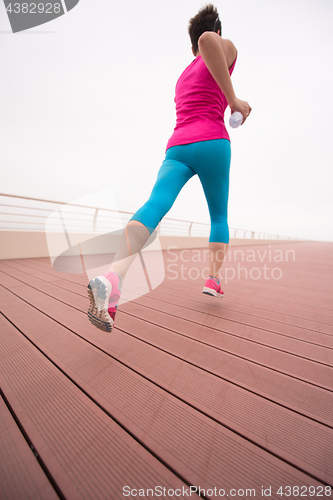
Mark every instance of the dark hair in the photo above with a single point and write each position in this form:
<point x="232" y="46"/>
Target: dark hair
<point x="207" y="19"/>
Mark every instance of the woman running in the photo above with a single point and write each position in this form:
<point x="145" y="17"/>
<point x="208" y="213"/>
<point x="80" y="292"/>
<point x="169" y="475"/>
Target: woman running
<point x="199" y="145"/>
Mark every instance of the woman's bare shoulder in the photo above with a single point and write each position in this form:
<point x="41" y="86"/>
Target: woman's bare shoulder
<point x="229" y="50"/>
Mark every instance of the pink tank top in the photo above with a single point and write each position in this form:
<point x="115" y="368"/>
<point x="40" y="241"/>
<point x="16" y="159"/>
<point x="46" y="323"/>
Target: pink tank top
<point x="200" y="106"/>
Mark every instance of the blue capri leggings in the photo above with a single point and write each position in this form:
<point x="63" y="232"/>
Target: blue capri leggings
<point x="210" y="160"/>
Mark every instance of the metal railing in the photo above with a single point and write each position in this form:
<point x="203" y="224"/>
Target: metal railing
<point x="25" y="213"/>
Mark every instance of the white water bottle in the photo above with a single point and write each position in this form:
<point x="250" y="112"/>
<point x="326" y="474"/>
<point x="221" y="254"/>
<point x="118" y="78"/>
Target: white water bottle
<point x="236" y="119"/>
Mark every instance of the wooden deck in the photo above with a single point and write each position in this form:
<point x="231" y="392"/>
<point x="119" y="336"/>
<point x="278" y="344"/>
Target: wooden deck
<point x="188" y="390"/>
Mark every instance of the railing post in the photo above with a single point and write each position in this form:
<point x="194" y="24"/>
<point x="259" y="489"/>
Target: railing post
<point x="95" y="220"/>
<point x="252" y="236"/>
<point x="189" y="229"/>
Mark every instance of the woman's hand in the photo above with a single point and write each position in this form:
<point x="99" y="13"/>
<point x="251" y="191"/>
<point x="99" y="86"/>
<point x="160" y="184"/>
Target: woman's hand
<point x="241" y="106"/>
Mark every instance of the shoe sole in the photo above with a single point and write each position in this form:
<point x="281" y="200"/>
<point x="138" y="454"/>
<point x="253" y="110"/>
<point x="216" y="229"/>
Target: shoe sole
<point x="210" y="291"/>
<point x="97" y="313"/>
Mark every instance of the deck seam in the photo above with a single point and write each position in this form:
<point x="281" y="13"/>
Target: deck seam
<point x="211" y="327"/>
<point x="230" y="353"/>
<point x="254" y="315"/>
<point x="244" y="324"/>
<point x="182" y="335"/>
<point x="164" y="287"/>
<point x="35" y="453"/>
<point x="181" y="359"/>
<point x="139" y="441"/>
<point x="177" y="333"/>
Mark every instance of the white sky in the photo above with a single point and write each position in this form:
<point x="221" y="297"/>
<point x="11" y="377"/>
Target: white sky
<point x="87" y="103"/>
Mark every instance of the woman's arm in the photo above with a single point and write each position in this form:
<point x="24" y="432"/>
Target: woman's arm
<point x="212" y="52"/>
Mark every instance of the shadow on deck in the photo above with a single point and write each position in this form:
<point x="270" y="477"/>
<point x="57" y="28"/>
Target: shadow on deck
<point x="188" y="391"/>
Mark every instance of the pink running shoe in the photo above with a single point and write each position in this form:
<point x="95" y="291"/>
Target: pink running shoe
<point x="213" y="287"/>
<point x="104" y="293"/>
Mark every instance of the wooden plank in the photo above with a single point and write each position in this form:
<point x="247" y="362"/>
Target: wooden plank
<point x="174" y="430"/>
<point x="274" y="385"/>
<point x="230" y="308"/>
<point x="204" y="311"/>
<point x="242" y="398"/>
<point x="192" y="307"/>
<point x="88" y="454"/>
<point x="240" y="410"/>
<point x="315" y="282"/>
<point x="240" y="295"/>
<point x="21" y="475"/>
<point x="317" y="373"/>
